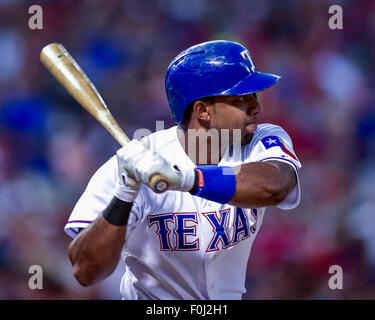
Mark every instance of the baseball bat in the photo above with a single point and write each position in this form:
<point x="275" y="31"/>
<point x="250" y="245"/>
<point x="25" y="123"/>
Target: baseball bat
<point x="67" y="71"/>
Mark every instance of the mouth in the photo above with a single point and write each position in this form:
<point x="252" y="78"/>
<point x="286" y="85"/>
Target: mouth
<point x="250" y="126"/>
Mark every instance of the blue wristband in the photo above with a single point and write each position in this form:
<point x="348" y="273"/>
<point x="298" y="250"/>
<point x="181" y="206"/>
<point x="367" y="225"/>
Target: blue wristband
<point x="216" y="183"/>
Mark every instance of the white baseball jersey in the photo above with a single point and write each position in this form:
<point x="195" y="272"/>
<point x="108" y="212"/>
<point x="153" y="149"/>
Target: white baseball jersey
<point x="179" y="246"/>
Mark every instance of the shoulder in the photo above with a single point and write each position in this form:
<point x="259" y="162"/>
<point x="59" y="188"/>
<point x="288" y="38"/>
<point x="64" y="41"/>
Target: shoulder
<point x="272" y="141"/>
<point x="266" y="129"/>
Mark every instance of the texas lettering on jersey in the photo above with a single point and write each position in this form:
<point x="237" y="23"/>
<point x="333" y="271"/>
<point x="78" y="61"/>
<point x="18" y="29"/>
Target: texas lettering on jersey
<point x="178" y="231"/>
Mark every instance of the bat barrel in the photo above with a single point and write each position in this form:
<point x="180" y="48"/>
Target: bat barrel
<point x="67" y="71"/>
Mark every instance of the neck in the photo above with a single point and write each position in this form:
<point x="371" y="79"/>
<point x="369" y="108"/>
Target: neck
<point x="203" y="146"/>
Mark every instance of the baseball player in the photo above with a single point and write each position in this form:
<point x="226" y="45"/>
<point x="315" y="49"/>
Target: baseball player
<point x="194" y="240"/>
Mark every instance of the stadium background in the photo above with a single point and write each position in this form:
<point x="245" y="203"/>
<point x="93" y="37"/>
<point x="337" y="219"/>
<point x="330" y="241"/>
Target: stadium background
<point x="49" y="146"/>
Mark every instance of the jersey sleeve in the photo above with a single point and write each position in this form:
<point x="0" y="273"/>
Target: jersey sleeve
<point x="274" y="144"/>
<point x="96" y="197"/>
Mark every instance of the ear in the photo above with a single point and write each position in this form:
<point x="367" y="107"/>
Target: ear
<point x="202" y="110"/>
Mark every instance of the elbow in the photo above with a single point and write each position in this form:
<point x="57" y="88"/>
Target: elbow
<point x="276" y="193"/>
<point x="87" y="270"/>
<point x="82" y="275"/>
<point x="282" y="184"/>
<point x="81" y="271"/>
<point x="277" y="197"/>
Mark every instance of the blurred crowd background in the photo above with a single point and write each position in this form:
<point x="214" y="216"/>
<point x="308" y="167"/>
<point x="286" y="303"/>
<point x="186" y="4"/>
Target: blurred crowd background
<point x="50" y="147"/>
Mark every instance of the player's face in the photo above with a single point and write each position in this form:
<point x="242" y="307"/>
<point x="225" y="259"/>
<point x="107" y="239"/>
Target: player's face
<point x="236" y="112"/>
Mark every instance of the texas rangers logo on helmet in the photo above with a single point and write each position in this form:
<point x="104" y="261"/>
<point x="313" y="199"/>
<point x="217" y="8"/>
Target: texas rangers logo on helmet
<point x="246" y="55"/>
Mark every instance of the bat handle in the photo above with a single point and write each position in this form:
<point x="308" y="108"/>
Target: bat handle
<point x="159" y="183"/>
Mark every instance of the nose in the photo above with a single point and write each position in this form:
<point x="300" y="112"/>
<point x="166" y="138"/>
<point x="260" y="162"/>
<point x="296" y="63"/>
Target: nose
<point x="253" y="106"/>
<point x="258" y="108"/>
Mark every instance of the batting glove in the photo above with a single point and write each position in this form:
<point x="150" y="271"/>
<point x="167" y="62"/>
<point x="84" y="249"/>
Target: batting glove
<point x="127" y="187"/>
<point x="141" y="164"/>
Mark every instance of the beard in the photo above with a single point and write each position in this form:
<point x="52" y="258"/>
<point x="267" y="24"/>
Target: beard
<point x="246" y="139"/>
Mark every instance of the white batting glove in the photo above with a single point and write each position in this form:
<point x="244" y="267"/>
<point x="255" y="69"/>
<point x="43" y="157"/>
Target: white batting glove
<point x="126" y="188"/>
<point x="141" y="164"/>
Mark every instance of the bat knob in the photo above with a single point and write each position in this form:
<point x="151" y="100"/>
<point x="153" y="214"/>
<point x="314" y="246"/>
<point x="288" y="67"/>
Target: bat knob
<point x="159" y="183"/>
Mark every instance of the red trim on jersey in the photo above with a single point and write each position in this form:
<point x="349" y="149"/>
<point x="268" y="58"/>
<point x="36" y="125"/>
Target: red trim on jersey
<point x="287" y="151"/>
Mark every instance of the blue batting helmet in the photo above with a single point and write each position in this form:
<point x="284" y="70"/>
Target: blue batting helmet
<point x="214" y="68"/>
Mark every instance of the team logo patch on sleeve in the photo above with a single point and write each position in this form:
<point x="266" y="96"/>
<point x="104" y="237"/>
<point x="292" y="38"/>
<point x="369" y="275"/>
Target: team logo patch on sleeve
<point x="273" y="141"/>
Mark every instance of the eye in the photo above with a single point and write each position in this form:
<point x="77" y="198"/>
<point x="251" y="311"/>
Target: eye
<point x="241" y="98"/>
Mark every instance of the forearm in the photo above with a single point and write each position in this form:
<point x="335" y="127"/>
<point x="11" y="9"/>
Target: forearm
<point x="262" y="184"/>
<point x="95" y="252"/>
<point x="253" y="185"/>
